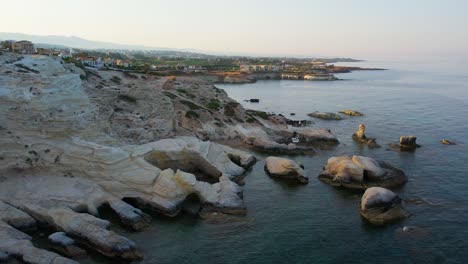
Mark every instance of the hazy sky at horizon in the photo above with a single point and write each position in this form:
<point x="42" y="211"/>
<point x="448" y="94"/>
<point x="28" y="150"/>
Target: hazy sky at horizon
<point x="294" y="27"/>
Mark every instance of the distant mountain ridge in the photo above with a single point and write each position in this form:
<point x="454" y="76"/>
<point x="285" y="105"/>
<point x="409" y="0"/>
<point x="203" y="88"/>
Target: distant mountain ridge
<point x="79" y="43"/>
<point x="57" y="41"/>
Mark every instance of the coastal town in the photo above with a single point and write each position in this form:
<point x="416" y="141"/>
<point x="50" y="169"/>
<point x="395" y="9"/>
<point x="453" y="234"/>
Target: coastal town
<point x="222" y="69"/>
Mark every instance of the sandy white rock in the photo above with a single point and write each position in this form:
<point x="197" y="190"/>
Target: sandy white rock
<point x="285" y="168"/>
<point x="361" y="172"/>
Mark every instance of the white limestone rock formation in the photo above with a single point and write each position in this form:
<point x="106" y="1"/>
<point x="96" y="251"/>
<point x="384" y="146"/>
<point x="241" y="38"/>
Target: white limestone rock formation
<point x="190" y="154"/>
<point x="358" y="172"/>
<point x="380" y="206"/>
<point x="66" y="152"/>
<point x="285" y="169"/>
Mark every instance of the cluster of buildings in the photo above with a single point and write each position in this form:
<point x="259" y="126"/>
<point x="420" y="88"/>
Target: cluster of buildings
<point x="102" y="63"/>
<point x="22" y="46"/>
<point x="294" y="71"/>
<point x="260" y="68"/>
<point x="190" y="68"/>
<point x="308" y="76"/>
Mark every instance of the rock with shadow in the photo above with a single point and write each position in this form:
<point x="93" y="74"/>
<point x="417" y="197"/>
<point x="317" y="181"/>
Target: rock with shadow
<point x="359" y="172"/>
<point x="325" y="115"/>
<point x="360" y="137"/>
<point x="407" y="143"/>
<point x="380" y="206"/>
<point x="285" y="169"/>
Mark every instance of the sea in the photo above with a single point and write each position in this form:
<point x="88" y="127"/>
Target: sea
<point x="316" y="223"/>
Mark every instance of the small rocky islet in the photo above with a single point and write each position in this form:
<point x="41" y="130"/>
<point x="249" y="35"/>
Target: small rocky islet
<point x="79" y="139"/>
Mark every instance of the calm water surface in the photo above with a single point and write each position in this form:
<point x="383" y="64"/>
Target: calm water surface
<point x="316" y="223"/>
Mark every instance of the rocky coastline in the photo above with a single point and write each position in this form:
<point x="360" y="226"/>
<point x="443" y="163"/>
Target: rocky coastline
<point x="75" y="139"/>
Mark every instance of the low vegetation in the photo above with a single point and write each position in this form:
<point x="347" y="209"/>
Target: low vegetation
<point x="261" y="114"/>
<point x="191" y="105"/>
<point x="116" y="79"/>
<point x="192" y="114"/>
<point x="229" y="109"/>
<point x="214" y="105"/>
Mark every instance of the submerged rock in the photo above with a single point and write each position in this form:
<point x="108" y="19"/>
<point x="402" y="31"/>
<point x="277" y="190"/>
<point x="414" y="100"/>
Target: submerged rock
<point x="380" y="206"/>
<point x="325" y="115"/>
<point x="65" y="245"/>
<point x="359" y="172"/>
<point x="351" y="112"/>
<point x="285" y="169"/>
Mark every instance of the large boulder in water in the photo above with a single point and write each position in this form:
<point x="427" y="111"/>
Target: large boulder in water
<point x="359" y="172"/>
<point x="380" y="206"/>
<point x="407" y="143"/>
<point x="325" y="115"/>
<point x="285" y="169"/>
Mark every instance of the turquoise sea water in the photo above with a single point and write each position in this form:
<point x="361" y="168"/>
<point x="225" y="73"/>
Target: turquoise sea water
<point x="316" y="223"/>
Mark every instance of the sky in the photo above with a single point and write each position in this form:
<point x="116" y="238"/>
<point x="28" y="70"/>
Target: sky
<point x="346" y="28"/>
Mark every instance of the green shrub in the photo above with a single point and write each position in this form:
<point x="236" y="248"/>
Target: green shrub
<point x="229" y="108"/>
<point x="192" y="114"/>
<point x="214" y="105"/>
<point x="116" y="79"/>
<point x="250" y="120"/>
<point x="261" y="114"/>
<point x="191" y="105"/>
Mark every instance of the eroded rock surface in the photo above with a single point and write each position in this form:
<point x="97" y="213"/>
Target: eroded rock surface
<point x="16" y="245"/>
<point x="65" y="245"/>
<point x="359" y="172"/>
<point x="361" y="137"/>
<point x="380" y="206"/>
<point x="74" y="139"/>
<point x="285" y="169"/>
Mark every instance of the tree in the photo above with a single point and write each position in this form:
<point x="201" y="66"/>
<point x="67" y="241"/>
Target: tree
<point x="5" y="44"/>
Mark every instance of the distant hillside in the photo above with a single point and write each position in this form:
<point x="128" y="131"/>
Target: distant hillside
<point x="74" y="42"/>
